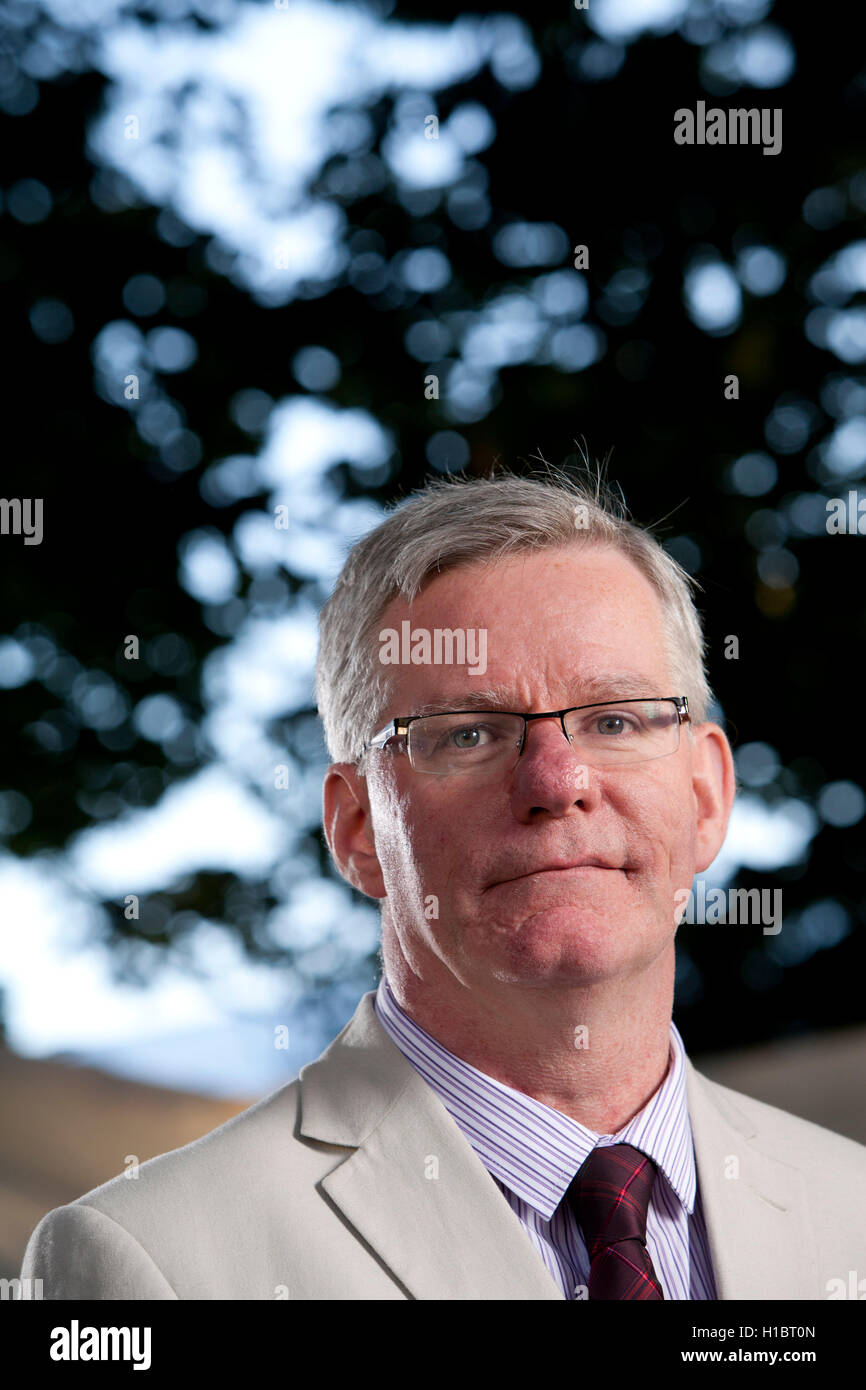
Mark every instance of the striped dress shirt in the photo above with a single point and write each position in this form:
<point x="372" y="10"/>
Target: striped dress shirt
<point x="533" y="1152"/>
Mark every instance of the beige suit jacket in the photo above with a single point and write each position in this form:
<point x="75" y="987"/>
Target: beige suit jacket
<point x="325" y="1190"/>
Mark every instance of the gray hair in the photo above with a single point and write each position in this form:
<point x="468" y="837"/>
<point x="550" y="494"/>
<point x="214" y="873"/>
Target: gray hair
<point x="457" y="521"/>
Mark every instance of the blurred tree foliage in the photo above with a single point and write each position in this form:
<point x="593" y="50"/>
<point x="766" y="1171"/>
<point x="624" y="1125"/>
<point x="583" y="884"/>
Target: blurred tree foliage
<point x="597" y="159"/>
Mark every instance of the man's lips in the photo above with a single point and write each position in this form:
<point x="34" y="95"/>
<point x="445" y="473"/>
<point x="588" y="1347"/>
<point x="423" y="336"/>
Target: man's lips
<point x="562" y="866"/>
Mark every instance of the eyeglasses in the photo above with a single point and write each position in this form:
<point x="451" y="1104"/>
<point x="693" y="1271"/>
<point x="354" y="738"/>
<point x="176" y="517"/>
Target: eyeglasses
<point x="616" y="733"/>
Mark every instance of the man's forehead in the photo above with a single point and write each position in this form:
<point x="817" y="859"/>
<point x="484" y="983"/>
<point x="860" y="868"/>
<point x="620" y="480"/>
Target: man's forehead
<point x="613" y="685"/>
<point x="567" y="568"/>
<point x="575" y="645"/>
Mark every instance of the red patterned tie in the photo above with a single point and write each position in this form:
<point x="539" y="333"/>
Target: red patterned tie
<point x="610" y="1198"/>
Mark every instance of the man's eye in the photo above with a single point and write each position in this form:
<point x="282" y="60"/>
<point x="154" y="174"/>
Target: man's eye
<point x="469" y="736"/>
<point x="611" y="725"/>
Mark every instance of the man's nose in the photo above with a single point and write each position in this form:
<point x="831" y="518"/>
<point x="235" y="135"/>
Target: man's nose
<point x="550" y="772"/>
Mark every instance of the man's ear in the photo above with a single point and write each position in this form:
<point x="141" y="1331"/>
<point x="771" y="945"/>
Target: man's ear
<point x="714" y="784"/>
<point x="349" y="829"/>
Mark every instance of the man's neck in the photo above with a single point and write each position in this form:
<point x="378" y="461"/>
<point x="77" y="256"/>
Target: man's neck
<point x="598" y="1054"/>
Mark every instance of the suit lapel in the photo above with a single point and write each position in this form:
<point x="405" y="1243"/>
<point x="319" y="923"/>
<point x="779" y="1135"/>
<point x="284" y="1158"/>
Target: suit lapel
<point x="755" y="1205"/>
<point x="412" y="1186"/>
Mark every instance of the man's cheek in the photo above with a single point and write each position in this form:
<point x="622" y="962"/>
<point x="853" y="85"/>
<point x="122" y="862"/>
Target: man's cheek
<point x="409" y="860"/>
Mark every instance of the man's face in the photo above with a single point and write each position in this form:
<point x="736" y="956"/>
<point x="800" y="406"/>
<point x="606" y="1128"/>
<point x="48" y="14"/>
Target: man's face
<point x="564" y="627"/>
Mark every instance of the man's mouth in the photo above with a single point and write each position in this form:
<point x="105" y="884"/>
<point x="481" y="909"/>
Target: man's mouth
<point x="586" y="863"/>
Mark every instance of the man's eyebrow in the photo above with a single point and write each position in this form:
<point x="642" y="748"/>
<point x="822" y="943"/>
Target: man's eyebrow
<point x="491" y="698"/>
<point x="586" y="691"/>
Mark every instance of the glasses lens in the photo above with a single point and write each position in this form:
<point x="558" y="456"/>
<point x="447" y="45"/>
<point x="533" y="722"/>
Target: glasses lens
<point x="632" y="732"/>
<point x="463" y="742"/>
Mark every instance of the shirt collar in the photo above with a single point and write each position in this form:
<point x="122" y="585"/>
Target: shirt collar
<point x="532" y="1148"/>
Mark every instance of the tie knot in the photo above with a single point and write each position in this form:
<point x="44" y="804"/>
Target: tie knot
<point x="611" y="1195"/>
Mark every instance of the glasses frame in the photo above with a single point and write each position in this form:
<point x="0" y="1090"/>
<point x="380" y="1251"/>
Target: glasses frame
<point x="399" y="726"/>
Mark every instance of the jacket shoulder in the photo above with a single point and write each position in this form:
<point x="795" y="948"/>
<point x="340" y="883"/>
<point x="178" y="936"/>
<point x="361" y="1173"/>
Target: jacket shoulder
<point x="77" y="1251"/>
<point x="216" y="1163"/>
<point x="789" y="1137"/>
<point x="136" y="1235"/>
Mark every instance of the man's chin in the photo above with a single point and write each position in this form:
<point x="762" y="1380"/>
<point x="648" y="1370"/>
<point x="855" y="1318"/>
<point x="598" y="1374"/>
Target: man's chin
<point x="562" y="944"/>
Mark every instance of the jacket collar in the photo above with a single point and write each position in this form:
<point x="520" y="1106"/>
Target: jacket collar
<point x="412" y="1185"/>
<point x="756" y="1206"/>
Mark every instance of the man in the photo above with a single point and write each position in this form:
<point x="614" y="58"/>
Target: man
<point x="512" y="687"/>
